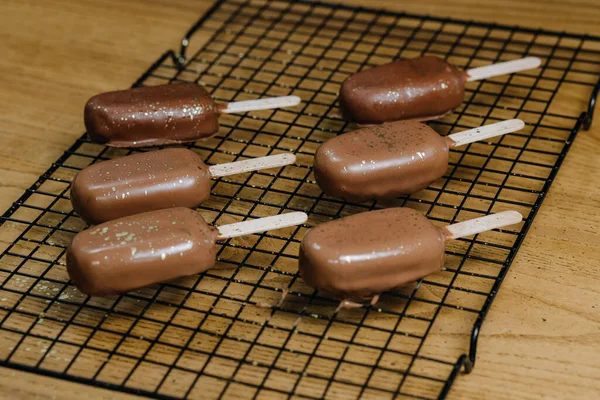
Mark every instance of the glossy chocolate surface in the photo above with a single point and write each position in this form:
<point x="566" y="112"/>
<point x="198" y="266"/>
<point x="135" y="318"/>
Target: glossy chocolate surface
<point x="420" y="88"/>
<point x="151" y="116"/>
<point x="140" y="250"/>
<point x="140" y="182"/>
<point x="370" y="253"/>
<point x="381" y="162"/>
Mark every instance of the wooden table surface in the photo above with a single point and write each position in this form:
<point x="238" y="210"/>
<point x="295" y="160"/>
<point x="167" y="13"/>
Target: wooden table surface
<point x="542" y="336"/>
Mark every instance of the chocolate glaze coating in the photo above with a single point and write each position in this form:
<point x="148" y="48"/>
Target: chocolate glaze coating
<point x="151" y="116"/>
<point x="381" y="162"/>
<point x="141" y="250"/>
<point x="140" y="182"/>
<point x="419" y="88"/>
<point x="371" y="252"/>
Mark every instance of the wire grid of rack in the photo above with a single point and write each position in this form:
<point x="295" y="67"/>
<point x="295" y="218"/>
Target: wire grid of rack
<point x="208" y="335"/>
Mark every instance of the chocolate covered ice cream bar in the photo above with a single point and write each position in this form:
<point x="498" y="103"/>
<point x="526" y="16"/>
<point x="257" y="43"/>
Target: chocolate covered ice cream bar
<point x="162" y="115"/>
<point x="372" y="252"/>
<point x="420" y="88"/>
<point x="152" y="181"/>
<point x="393" y="159"/>
<point x="153" y="247"/>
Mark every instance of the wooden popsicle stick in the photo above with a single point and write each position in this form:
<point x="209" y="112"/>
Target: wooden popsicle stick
<point x="253" y="164"/>
<point x="503" y="68"/>
<point x="485" y="132"/>
<point x="262" y="225"/>
<point x="260" y="104"/>
<point x="482" y="224"/>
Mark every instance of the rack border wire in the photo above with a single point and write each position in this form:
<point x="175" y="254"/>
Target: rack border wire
<point x="180" y="63"/>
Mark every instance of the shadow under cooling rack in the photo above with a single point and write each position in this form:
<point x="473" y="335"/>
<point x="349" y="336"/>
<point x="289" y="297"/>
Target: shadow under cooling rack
<point x="206" y="335"/>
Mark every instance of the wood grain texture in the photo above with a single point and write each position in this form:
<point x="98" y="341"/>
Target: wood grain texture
<point x="16" y="385"/>
<point x="541" y="338"/>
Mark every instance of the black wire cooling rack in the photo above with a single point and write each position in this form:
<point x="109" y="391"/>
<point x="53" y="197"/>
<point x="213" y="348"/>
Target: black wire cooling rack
<point x="206" y="336"/>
